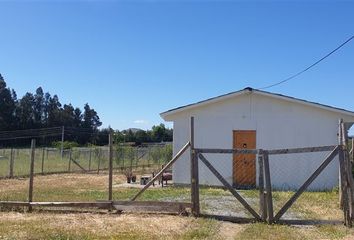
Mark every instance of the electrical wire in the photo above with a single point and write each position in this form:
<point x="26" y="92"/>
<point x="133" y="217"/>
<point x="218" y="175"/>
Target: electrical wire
<point x="49" y="132"/>
<point x="309" y="67"/>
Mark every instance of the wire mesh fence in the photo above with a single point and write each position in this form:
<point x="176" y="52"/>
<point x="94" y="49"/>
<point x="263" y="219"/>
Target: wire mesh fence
<point x="320" y="199"/>
<point x="302" y="184"/>
<point x="239" y="173"/>
<point x="15" y="162"/>
<point x="264" y="177"/>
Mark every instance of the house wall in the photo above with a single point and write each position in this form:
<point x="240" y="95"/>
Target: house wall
<point x="279" y="124"/>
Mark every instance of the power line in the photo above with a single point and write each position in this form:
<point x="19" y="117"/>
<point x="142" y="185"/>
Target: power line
<point x="26" y="137"/>
<point x="31" y="130"/>
<point x="309" y="67"/>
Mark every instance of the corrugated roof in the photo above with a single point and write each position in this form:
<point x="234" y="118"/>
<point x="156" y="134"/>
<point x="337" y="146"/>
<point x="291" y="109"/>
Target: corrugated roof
<point x="249" y="89"/>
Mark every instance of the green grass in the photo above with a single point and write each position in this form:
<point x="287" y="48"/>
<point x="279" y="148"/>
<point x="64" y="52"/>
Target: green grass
<point x="205" y="229"/>
<point x="274" y="232"/>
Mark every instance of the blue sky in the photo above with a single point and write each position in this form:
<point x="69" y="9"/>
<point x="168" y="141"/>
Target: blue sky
<point x="132" y="60"/>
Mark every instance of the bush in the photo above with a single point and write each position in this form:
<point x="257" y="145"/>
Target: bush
<point x="66" y="144"/>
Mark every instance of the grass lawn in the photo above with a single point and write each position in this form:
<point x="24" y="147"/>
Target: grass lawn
<point x="102" y="225"/>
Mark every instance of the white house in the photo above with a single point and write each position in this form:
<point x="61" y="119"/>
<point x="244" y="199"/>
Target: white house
<point x="257" y="119"/>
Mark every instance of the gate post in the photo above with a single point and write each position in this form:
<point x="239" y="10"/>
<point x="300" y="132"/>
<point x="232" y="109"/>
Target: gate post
<point x="268" y="187"/>
<point x="262" y="196"/>
<point x="194" y="173"/>
<point x="344" y="187"/>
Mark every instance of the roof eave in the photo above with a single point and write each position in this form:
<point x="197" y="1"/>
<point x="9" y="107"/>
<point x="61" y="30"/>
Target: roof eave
<point x="167" y="114"/>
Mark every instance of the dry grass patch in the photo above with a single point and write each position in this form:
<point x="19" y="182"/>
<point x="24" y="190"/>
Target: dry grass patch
<point x="92" y="226"/>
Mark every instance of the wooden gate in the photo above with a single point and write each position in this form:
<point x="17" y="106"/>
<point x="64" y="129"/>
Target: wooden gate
<point x="266" y="212"/>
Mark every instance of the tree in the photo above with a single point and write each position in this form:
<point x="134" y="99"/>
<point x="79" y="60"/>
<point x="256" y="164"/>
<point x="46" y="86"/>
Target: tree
<point x="158" y="133"/>
<point x="141" y="136"/>
<point x="38" y="108"/>
<point x="67" y="115"/>
<point x="46" y="109"/>
<point x="90" y="118"/>
<point x="77" y="118"/>
<point x="43" y="110"/>
<point x="7" y="106"/>
<point x="25" y="112"/>
<point x="53" y="111"/>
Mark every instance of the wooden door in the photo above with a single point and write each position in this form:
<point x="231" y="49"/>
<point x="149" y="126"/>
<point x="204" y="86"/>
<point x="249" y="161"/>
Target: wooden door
<point x="244" y="165"/>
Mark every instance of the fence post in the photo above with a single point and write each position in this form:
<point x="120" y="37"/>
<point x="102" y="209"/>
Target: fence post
<point x="99" y="161"/>
<point x="90" y="158"/>
<point x="340" y="185"/>
<point x="42" y="166"/>
<point x="352" y="149"/>
<point x="268" y="187"/>
<point x="344" y="186"/>
<point x="30" y="190"/>
<point x="262" y="196"/>
<point x="11" y="165"/>
<point x="123" y="157"/>
<point x="110" y="177"/>
<point x="194" y="173"/>
<point x="69" y="165"/>
<point x="131" y="158"/>
<point x="349" y="174"/>
<point x="62" y="142"/>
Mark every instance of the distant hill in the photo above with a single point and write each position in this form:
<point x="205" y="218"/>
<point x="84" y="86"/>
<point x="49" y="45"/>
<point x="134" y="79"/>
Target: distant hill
<point x="134" y="130"/>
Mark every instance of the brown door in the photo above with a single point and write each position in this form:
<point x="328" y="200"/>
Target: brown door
<point x="244" y="165"/>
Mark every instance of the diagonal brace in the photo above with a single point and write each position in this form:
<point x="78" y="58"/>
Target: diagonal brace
<point x="291" y="201"/>
<point x="169" y="164"/>
<point x="229" y="187"/>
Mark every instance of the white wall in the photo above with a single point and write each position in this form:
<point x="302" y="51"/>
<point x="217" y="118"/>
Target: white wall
<point x="279" y="124"/>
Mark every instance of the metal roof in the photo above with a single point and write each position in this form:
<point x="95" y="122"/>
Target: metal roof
<point x="261" y="92"/>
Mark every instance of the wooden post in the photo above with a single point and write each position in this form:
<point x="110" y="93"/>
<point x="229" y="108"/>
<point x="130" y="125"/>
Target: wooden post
<point x="352" y="150"/>
<point x="110" y="177"/>
<point x="69" y="165"/>
<point x="194" y="173"/>
<point x="62" y="143"/>
<point x="42" y="166"/>
<point x="30" y="189"/>
<point x="11" y="163"/>
<point x="131" y="160"/>
<point x="123" y="156"/>
<point x="340" y="185"/>
<point x="349" y="174"/>
<point x="99" y="161"/>
<point x="268" y="187"/>
<point x="90" y="159"/>
<point x="262" y="196"/>
<point x="344" y="186"/>
<point x="153" y="175"/>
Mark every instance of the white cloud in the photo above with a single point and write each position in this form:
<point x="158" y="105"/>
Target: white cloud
<point x="141" y="121"/>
